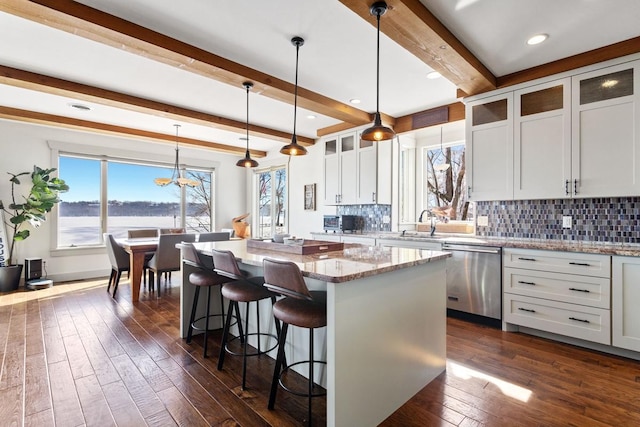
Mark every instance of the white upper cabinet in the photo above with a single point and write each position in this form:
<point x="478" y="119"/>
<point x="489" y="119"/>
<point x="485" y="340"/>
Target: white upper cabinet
<point x="331" y="171"/>
<point x="542" y="141"/>
<point x="367" y="171"/>
<point x="574" y="137"/>
<point x="489" y="135"/>
<point x="606" y="132"/>
<point x="356" y="171"/>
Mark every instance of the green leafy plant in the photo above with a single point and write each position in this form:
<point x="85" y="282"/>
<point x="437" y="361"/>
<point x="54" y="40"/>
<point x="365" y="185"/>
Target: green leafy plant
<point x="42" y="197"/>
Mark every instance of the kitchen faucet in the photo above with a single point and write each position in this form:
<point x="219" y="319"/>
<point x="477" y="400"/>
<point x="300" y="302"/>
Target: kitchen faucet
<point x="421" y="214"/>
<point x="433" y="225"/>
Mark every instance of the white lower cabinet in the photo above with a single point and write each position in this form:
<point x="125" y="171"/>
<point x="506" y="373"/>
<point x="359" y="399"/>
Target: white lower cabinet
<point x="559" y="292"/>
<point x="626" y="302"/>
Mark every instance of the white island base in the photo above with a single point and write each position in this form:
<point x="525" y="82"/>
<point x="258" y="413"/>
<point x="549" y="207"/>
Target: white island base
<point x="386" y="327"/>
<point x="386" y="340"/>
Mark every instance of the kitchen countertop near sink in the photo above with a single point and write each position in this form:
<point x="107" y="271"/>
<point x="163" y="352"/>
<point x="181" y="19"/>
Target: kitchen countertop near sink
<point x="604" y="248"/>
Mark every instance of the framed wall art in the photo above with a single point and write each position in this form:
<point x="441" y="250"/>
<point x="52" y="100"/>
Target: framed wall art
<point x="310" y="197"/>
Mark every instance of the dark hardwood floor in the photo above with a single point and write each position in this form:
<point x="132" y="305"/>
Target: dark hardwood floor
<point x="71" y="356"/>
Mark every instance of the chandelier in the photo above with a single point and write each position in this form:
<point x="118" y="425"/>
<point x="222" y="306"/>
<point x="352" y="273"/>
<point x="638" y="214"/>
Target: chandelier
<point x="176" y="176"/>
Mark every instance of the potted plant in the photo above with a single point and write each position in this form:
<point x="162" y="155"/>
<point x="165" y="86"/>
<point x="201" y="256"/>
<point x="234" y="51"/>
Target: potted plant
<point x="32" y="209"/>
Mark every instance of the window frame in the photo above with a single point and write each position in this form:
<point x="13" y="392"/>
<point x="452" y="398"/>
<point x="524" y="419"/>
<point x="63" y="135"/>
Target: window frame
<point x="256" y="198"/>
<point x="125" y="156"/>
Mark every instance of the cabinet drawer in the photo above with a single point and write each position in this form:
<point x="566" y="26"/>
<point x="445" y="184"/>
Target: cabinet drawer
<point x="559" y="262"/>
<point x="367" y="241"/>
<point x="569" y="288"/>
<point x="578" y="321"/>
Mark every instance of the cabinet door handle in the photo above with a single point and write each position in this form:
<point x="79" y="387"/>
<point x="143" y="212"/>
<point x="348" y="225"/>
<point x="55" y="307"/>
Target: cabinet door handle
<point x="469" y="191"/>
<point x="579" y="320"/>
<point x="580" y="290"/>
<point x="528" y="310"/>
<point x="566" y="187"/>
<point x="450" y="298"/>
<point x="373" y="196"/>
<point x="526" y="283"/>
<point x="575" y="186"/>
<point x="526" y="259"/>
<point x="582" y="264"/>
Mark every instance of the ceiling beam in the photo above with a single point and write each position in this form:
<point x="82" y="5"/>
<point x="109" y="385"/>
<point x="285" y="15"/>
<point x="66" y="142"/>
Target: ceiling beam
<point x="413" y="27"/>
<point x="84" y="21"/>
<point x="605" y="53"/>
<point x="103" y="128"/>
<point x="59" y="87"/>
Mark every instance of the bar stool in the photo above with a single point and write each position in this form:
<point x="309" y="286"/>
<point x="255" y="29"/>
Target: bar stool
<point x="204" y="276"/>
<point x="243" y="289"/>
<point x="299" y="307"/>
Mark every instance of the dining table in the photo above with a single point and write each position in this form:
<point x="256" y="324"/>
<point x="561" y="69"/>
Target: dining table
<point x="137" y="248"/>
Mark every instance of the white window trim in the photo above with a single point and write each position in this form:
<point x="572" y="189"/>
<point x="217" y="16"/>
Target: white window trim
<point x="105" y="153"/>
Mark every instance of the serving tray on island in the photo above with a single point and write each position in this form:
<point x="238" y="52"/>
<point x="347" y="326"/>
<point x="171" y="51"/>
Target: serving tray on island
<point x="306" y="248"/>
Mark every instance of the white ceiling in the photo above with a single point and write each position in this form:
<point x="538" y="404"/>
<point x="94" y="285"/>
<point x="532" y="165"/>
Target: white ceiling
<point x="337" y="59"/>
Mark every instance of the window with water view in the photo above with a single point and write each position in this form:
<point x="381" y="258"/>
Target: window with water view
<point x="115" y="196"/>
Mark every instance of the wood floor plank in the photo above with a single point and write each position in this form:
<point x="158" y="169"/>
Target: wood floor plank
<point x="141" y="392"/>
<point x="182" y="411"/>
<point x="12" y="372"/>
<point x="124" y="410"/>
<point x="77" y="356"/>
<point x="94" y="405"/>
<point x="11" y="406"/>
<point x="40" y="419"/>
<point x="66" y="406"/>
<point x="37" y="395"/>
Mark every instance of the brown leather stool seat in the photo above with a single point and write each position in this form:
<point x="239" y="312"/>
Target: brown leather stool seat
<point x="203" y="277"/>
<point x="299" y="307"/>
<point x="247" y="290"/>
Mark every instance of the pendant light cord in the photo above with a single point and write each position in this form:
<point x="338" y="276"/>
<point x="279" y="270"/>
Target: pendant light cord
<point x="247" y="87"/>
<point x="378" y="65"/>
<point x="295" y="96"/>
<point x="176" y="171"/>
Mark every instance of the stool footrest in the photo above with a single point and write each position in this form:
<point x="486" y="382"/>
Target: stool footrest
<point x="298" y="393"/>
<point x="257" y="353"/>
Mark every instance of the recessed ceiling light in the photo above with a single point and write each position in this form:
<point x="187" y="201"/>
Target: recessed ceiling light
<point x="80" y="107"/>
<point x="434" y="75"/>
<point x="538" y="38"/>
<point x="354" y="101"/>
<point x="311" y="116"/>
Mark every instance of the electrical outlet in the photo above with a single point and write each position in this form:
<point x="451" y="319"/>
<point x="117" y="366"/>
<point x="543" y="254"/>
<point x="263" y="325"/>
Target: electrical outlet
<point x="567" y="222"/>
<point x="483" y="220"/>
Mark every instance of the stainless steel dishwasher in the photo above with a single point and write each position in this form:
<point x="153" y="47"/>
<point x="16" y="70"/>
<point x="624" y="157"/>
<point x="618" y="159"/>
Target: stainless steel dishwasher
<point x="474" y="279"/>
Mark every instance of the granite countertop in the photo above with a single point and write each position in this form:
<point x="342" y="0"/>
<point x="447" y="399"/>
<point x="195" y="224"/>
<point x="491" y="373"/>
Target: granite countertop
<point x="351" y="263"/>
<point x="604" y="248"/>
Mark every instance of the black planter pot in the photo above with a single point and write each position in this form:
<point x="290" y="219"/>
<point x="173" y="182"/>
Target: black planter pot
<point x="10" y="277"/>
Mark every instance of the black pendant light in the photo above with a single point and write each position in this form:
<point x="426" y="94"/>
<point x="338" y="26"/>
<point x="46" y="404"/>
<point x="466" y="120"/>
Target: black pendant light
<point x="247" y="162"/>
<point x="295" y="149"/>
<point x="378" y="132"/>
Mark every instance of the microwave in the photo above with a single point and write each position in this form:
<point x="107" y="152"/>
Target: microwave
<point x="349" y="223"/>
<point x="331" y="223"/>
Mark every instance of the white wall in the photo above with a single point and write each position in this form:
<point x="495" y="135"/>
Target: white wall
<point x="24" y="145"/>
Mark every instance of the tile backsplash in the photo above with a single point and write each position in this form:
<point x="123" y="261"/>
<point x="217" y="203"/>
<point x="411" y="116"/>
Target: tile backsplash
<point x="373" y="216"/>
<point x="613" y="220"/>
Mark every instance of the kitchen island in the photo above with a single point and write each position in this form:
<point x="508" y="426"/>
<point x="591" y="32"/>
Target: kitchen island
<point x="386" y="323"/>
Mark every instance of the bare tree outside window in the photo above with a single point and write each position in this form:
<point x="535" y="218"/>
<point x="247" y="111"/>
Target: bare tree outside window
<point x="272" y="202"/>
<point x="447" y="188"/>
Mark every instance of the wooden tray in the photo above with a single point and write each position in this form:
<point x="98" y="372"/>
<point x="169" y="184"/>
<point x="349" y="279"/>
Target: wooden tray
<point x="308" y="247"/>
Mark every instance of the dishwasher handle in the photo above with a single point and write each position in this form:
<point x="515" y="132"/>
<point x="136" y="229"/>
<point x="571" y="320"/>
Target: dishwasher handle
<point x="479" y="249"/>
